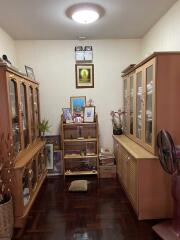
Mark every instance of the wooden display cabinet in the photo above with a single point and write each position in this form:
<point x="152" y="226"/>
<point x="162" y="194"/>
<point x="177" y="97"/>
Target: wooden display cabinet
<point x="20" y="116"/>
<point x="151" y="100"/>
<point x="151" y="93"/>
<point x="80" y="145"/>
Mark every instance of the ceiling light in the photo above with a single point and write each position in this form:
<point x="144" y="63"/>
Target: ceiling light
<point x="85" y="13"/>
<point x="85" y="16"/>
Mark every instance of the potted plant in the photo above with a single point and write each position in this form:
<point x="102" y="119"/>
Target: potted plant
<point x="44" y="127"/>
<point x="7" y="159"/>
<point x="117" y="122"/>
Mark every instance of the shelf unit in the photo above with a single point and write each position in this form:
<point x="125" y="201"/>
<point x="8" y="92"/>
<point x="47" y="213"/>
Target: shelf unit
<point x="19" y="105"/>
<point x="80" y="148"/>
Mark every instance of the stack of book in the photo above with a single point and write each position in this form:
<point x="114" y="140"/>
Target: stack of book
<point x="106" y="157"/>
<point x="107" y="164"/>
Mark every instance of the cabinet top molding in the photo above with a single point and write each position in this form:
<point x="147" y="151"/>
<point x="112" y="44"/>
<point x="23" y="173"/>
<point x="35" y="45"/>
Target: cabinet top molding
<point x="133" y="148"/>
<point x="133" y="67"/>
<point x="16" y="72"/>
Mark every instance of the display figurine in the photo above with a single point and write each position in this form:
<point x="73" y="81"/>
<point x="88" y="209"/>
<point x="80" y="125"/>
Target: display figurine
<point x="5" y="58"/>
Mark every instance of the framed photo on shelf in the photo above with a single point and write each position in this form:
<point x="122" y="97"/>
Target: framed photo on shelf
<point x="77" y="105"/>
<point x="30" y="72"/>
<point x="50" y="156"/>
<point x="67" y="115"/>
<point x="84" y="75"/>
<point x="89" y="114"/>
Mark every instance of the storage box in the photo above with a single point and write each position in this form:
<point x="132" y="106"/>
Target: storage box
<point x="107" y="171"/>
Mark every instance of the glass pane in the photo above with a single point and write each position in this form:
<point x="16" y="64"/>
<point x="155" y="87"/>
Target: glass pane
<point x="149" y="94"/>
<point x="25" y="182"/>
<point x="139" y="105"/>
<point x="131" y="104"/>
<point x="32" y="112"/>
<point x="34" y="174"/>
<point x="24" y="114"/>
<point x="43" y="159"/>
<point x="39" y="159"/>
<point x="125" y="118"/>
<point x="15" y="116"/>
<point x="36" y="100"/>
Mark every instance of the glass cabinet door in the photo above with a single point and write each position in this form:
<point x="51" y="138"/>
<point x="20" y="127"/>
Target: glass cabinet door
<point x="31" y="103"/>
<point x="24" y="114"/>
<point x="139" y="105"/>
<point x="132" y="105"/>
<point x="125" y="101"/>
<point x="36" y="109"/>
<point x="34" y="174"/>
<point x="25" y="185"/>
<point x="149" y="105"/>
<point x="14" y="115"/>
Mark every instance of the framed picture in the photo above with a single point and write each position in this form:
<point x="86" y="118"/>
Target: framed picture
<point x="77" y="105"/>
<point x="89" y="114"/>
<point x="55" y="140"/>
<point x="84" y="75"/>
<point x="30" y="72"/>
<point x="67" y="115"/>
<point x="50" y="156"/>
<point x="58" y="162"/>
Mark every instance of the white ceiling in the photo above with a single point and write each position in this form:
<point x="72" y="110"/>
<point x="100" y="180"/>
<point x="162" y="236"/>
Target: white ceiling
<point x="46" y="19"/>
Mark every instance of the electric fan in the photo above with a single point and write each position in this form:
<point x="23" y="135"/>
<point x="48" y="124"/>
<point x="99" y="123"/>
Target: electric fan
<point x="169" y="156"/>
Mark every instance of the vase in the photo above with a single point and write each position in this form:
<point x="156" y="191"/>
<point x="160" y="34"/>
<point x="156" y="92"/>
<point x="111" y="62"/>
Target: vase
<point x="6" y="220"/>
<point x="117" y="131"/>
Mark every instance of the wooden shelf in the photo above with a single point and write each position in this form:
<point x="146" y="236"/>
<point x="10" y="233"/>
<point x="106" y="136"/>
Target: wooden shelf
<point x="72" y="147"/>
<point x="75" y="173"/>
<point x="26" y="154"/>
<point x="78" y="124"/>
<point x="78" y="156"/>
<point x="81" y="140"/>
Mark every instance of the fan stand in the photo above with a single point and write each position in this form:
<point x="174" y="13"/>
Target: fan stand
<point x="170" y="230"/>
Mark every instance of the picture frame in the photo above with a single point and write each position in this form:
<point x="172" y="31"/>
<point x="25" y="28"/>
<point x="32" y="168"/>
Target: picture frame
<point x="58" y="162"/>
<point x="89" y="114"/>
<point x="50" y="156"/>
<point x="84" y="75"/>
<point x="53" y="139"/>
<point x="77" y="105"/>
<point x="30" y="72"/>
<point x="67" y="115"/>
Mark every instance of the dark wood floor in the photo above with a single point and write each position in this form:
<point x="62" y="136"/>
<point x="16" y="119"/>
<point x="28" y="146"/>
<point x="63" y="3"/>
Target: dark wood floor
<point x="102" y="213"/>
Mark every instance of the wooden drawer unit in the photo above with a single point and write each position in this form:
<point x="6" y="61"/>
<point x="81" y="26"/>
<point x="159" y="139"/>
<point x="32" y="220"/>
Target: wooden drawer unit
<point x="147" y="186"/>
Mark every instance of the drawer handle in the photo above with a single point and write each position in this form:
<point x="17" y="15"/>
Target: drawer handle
<point x="128" y="159"/>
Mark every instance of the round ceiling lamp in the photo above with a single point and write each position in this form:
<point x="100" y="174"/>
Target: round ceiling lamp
<point x="85" y="13"/>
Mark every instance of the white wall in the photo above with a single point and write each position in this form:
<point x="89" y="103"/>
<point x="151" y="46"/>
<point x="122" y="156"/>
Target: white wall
<point x="7" y="46"/>
<point x="54" y="66"/>
<point x="165" y="34"/>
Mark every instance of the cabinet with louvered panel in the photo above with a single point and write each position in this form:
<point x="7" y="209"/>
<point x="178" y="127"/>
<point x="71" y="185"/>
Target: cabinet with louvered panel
<point x="146" y="185"/>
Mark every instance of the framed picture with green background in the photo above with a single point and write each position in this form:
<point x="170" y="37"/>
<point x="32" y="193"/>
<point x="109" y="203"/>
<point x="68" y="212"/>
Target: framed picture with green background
<point x="84" y="75"/>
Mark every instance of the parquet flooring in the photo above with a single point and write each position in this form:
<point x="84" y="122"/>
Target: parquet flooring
<point x="102" y="213"/>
